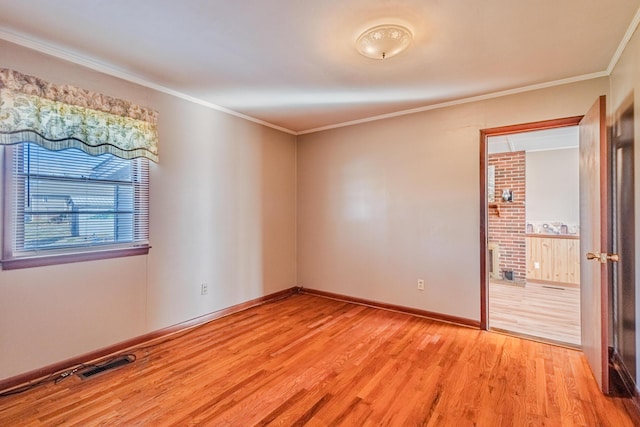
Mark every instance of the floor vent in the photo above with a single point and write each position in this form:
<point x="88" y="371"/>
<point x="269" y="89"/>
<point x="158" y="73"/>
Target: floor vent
<point x="112" y="364"/>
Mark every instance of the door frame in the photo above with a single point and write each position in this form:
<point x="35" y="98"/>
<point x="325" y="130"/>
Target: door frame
<point x="625" y="112"/>
<point x="484" y="206"/>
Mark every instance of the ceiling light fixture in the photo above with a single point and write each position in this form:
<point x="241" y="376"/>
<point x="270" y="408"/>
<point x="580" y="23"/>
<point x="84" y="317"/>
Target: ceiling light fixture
<point x="383" y="41"/>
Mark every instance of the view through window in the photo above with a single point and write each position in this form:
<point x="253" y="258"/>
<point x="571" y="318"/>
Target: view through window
<point x="68" y="200"/>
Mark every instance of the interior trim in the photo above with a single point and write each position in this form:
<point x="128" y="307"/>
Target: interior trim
<point x="633" y="26"/>
<point x="616" y="363"/>
<point x="111" y="70"/>
<point x="536" y="339"/>
<point x="96" y="254"/>
<point x="97" y="355"/>
<point x="624" y="379"/>
<point x="484" y="223"/>
<point x="606" y="241"/>
<point x="392" y="307"/>
<point x="462" y="101"/>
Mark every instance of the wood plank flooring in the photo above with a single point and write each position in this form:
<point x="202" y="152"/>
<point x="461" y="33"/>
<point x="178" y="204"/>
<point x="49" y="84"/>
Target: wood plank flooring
<point x="548" y="312"/>
<point x="308" y="360"/>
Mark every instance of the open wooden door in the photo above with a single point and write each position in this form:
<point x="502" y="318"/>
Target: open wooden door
<point x="594" y="240"/>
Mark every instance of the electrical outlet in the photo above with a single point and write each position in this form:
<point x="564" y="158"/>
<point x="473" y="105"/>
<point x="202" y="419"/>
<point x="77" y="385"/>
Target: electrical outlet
<point x="420" y="285"/>
<point x="536" y="265"/>
<point x="204" y="289"/>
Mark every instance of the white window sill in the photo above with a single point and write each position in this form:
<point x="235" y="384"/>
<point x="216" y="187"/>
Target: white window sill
<point x="43" y="260"/>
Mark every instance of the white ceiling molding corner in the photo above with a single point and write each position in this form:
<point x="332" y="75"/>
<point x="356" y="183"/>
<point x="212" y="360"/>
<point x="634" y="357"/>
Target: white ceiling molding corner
<point x="461" y="101"/>
<point x="623" y="43"/>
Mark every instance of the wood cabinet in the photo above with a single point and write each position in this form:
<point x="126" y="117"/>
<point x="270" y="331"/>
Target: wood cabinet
<point x="553" y="259"/>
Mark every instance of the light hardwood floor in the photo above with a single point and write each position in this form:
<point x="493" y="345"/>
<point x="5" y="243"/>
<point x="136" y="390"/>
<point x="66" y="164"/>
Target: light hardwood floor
<point x="308" y="360"/>
<point x="548" y="312"/>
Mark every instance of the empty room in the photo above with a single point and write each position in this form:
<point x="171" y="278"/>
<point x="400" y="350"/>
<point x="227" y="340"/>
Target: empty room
<point x="281" y="212"/>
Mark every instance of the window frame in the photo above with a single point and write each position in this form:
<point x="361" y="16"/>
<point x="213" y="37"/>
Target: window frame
<point x="58" y="255"/>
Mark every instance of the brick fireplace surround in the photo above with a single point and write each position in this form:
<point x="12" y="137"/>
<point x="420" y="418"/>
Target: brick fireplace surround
<point x="507" y="219"/>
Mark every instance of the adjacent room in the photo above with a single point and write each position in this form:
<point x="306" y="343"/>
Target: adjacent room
<point x="534" y="234"/>
<point x="284" y="212"/>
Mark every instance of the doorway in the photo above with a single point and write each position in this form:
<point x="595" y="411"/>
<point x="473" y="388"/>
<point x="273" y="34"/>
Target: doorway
<point x="607" y="279"/>
<point x="533" y="234"/>
<point x="484" y="199"/>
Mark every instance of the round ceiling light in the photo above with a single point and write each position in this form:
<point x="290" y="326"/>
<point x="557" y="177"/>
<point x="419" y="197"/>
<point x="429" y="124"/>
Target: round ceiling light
<point x="383" y="41"/>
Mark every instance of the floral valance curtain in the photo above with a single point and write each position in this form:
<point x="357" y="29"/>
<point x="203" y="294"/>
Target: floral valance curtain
<point x="62" y="116"/>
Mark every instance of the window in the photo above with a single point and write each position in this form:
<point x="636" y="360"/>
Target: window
<point x="75" y="181"/>
<point x="67" y="205"/>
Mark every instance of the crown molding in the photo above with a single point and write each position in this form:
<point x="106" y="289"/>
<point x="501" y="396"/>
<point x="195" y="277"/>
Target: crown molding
<point x="633" y="26"/>
<point x="110" y="70"/>
<point x="624" y="42"/>
<point x="460" y="101"/>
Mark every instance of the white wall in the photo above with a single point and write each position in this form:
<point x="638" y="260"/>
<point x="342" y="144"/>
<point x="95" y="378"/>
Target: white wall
<point x="383" y="204"/>
<point x="222" y="212"/>
<point x="552" y="186"/>
<point x="625" y="85"/>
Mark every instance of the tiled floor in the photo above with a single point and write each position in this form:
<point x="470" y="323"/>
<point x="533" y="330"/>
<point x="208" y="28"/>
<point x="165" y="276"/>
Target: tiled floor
<point x="548" y="312"/>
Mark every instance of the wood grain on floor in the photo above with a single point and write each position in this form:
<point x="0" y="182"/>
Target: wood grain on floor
<point x="546" y="311"/>
<point x="308" y="360"/>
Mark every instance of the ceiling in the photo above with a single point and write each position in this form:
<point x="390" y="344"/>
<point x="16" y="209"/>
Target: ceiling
<point x="292" y="64"/>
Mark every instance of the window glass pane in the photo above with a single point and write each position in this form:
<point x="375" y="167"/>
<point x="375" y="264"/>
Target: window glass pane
<point x="69" y="199"/>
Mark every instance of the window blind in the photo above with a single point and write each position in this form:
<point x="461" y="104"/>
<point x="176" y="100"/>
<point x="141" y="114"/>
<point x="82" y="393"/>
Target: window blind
<point x="69" y="201"/>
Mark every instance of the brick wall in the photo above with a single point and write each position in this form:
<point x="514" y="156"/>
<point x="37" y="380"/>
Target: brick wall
<point x="508" y="229"/>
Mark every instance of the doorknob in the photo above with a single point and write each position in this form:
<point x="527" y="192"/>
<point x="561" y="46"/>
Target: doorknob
<point x="603" y="257"/>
